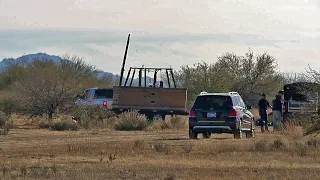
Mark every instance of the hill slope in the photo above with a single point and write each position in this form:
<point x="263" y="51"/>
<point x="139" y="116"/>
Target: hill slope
<point x="29" y="58"/>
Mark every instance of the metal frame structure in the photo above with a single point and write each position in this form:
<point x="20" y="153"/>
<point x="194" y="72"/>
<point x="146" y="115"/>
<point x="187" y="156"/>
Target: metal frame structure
<point x="143" y="70"/>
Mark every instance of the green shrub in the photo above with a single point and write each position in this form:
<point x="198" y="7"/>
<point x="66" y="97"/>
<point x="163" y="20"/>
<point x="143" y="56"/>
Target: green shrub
<point x="131" y="121"/>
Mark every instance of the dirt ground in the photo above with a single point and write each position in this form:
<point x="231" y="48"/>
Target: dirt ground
<point x="30" y="153"/>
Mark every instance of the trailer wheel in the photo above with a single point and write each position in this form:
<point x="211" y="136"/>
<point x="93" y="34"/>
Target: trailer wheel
<point x="158" y="117"/>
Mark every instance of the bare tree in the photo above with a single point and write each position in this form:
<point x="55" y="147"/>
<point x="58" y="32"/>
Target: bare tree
<point x="313" y="74"/>
<point x="201" y="77"/>
<point x="249" y="75"/>
<point x="252" y="74"/>
<point x="10" y="74"/>
<point x="47" y="86"/>
<point x="293" y="77"/>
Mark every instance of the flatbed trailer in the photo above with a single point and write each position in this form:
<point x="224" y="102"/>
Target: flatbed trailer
<point x="154" y="100"/>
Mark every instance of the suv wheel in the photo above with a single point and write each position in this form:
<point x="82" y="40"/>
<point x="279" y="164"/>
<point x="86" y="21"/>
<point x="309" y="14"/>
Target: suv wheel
<point x="237" y="134"/>
<point x="206" y="135"/>
<point x="251" y="133"/>
<point x="157" y="117"/>
<point x="192" y="134"/>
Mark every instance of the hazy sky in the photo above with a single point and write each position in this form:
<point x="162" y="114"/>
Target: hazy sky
<point x="164" y="32"/>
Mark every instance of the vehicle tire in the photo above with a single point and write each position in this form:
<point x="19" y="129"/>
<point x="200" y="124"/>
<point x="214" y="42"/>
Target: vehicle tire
<point x="192" y="134"/>
<point x="237" y="134"/>
<point x="206" y="135"/>
<point x="158" y="117"/>
<point x="251" y="133"/>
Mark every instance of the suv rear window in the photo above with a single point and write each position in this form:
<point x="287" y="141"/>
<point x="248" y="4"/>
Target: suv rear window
<point x="213" y="101"/>
<point x="103" y="93"/>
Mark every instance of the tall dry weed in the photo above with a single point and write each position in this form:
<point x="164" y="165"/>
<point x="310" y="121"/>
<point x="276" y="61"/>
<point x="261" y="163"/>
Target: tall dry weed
<point x="92" y="117"/>
<point x="131" y="121"/>
<point x="175" y="122"/>
<point x="290" y="129"/>
<point x="5" y="124"/>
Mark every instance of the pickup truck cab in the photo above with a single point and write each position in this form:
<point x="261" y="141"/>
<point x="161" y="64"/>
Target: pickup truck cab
<point x="96" y="97"/>
<point x="300" y="98"/>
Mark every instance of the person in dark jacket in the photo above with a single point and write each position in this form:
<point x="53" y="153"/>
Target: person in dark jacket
<point x="263" y="107"/>
<point x="277" y="110"/>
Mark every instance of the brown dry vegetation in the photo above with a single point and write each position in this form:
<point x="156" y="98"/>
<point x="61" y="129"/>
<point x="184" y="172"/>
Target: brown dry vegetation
<point x="28" y="152"/>
<point x="58" y="148"/>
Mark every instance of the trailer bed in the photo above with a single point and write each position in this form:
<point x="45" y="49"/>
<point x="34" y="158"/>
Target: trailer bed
<point x="150" y="98"/>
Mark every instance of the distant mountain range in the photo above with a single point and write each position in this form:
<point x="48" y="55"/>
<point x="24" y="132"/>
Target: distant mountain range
<point x="29" y="58"/>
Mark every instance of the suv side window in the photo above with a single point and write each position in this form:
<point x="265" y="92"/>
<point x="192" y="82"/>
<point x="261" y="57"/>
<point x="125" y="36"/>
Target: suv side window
<point x="236" y="101"/>
<point x="241" y="102"/>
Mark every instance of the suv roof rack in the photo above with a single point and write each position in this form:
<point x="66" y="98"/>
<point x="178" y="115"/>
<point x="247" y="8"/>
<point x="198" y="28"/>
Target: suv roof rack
<point x="233" y="93"/>
<point x="225" y="94"/>
<point x="203" y="92"/>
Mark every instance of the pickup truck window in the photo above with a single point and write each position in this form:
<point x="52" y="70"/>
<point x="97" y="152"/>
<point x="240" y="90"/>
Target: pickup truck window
<point x="103" y="93"/>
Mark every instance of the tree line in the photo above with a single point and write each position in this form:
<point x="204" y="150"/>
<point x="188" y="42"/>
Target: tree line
<point x="44" y="87"/>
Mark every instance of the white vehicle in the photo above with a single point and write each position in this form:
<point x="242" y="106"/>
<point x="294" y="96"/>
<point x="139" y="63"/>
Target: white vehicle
<point x="96" y="97"/>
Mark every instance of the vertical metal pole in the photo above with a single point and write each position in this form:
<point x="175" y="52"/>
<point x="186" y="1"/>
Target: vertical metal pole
<point x="124" y="60"/>
<point x="140" y="74"/>
<point x="174" y="82"/>
<point x="125" y="84"/>
<point x="168" y="78"/>
<point x="134" y="71"/>
<point x="145" y="77"/>
<point x="155" y="78"/>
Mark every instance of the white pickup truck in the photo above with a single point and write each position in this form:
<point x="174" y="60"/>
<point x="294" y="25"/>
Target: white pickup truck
<point x="96" y="97"/>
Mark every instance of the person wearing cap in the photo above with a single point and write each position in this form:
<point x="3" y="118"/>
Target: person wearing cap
<point x="277" y="110"/>
<point x="263" y="106"/>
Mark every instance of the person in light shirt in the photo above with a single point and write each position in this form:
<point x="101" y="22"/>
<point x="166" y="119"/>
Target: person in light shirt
<point x="277" y="110"/>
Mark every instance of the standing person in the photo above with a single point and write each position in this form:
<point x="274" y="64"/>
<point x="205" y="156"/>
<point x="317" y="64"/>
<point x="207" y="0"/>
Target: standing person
<point x="277" y="110"/>
<point x="263" y="106"/>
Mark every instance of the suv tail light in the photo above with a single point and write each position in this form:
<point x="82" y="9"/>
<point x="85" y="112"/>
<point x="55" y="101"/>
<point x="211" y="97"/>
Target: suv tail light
<point x="192" y="113"/>
<point x="283" y="107"/>
<point x="233" y="113"/>
<point x="105" y="103"/>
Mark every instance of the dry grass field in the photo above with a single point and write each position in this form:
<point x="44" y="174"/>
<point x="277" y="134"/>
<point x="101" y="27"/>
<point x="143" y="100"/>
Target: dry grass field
<point x="28" y="152"/>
